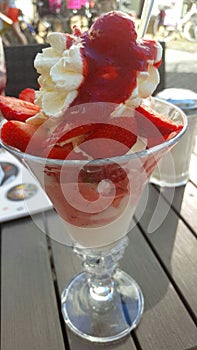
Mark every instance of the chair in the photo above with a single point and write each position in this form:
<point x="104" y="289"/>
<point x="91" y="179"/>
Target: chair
<point x="20" y="68"/>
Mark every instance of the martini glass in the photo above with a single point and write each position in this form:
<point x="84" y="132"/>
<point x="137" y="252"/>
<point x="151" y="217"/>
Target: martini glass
<point x="97" y="199"/>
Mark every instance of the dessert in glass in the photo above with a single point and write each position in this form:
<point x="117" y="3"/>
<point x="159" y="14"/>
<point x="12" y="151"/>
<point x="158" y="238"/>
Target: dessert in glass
<point x="92" y="136"/>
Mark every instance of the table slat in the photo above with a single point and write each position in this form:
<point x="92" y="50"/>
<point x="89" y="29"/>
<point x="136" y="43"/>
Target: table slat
<point x="192" y="169"/>
<point x="172" y="240"/>
<point x="165" y="324"/>
<point x="30" y="318"/>
<point x="184" y="202"/>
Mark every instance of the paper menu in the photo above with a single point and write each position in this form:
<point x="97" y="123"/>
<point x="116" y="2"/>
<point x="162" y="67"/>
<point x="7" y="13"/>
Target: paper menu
<point x="20" y="193"/>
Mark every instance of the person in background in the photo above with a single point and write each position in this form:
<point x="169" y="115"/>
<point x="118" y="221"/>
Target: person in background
<point x="9" y="8"/>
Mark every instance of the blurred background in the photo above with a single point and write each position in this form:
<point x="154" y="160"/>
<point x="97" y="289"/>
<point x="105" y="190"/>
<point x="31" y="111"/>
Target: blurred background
<point x="171" y="19"/>
<point x="173" y="22"/>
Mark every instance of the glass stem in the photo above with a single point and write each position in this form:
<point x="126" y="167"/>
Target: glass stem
<point x="100" y="265"/>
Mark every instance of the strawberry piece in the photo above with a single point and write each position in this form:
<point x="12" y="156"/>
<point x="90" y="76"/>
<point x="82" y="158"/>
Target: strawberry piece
<point x="68" y="132"/>
<point x="92" y="175"/>
<point x="13" y="108"/>
<point x="75" y="132"/>
<point x="18" y="135"/>
<point x="110" y="140"/>
<point x="117" y="138"/>
<point x="57" y="152"/>
<point x="88" y="191"/>
<point x="153" y="124"/>
<point x="28" y="95"/>
<point x="127" y="123"/>
<point x="63" y="152"/>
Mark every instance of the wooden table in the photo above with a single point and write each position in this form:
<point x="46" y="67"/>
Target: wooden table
<point x="162" y="258"/>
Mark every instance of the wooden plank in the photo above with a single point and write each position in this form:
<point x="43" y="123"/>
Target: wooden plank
<point x="172" y="240"/>
<point x="29" y="317"/>
<point x="189" y="206"/>
<point x="184" y="200"/>
<point x="193" y="169"/>
<point x="165" y="324"/>
<point x="195" y="147"/>
<point x="193" y="164"/>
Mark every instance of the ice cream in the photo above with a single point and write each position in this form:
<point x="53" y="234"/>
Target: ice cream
<point x="91" y="106"/>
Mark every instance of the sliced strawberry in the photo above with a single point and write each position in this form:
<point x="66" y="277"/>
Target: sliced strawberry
<point x="88" y="191"/>
<point x="18" y="135"/>
<point x="57" y="152"/>
<point x="92" y="174"/>
<point x="153" y="124"/>
<point x="13" y="108"/>
<point x="109" y="140"/>
<point x="63" y="152"/>
<point x="127" y="123"/>
<point x="68" y="132"/>
<point x="74" y="132"/>
<point x="79" y="122"/>
<point x="28" y="95"/>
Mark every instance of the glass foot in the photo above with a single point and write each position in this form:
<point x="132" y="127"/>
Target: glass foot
<point x="102" y="320"/>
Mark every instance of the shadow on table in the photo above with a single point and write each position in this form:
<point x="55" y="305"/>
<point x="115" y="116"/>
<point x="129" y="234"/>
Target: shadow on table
<point x="159" y="222"/>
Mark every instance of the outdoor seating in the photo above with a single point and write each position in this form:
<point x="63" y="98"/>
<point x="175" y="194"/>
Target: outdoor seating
<point x="20" y="68"/>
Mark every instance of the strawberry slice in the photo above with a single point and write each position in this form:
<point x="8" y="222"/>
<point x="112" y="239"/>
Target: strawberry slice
<point x="92" y="175"/>
<point x="28" y="95"/>
<point x="88" y="191"/>
<point x="153" y="124"/>
<point x="104" y="139"/>
<point x="13" y="108"/>
<point x="57" y="152"/>
<point x="112" y="139"/>
<point x="67" y="132"/>
<point x="127" y="123"/>
<point x="63" y="152"/>
<point x="18" y="135"/>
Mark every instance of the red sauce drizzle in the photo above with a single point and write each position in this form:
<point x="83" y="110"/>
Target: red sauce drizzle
<point x="112" y="56"/>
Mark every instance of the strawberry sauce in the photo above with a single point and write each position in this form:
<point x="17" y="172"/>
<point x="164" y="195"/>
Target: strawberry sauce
<point x="111" y="59"/>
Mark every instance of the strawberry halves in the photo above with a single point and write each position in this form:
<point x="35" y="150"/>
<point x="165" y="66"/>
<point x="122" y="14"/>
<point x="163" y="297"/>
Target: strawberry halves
<point x="13" y="108"/>
<point x="22" y="136"/>
<point x="27" y="94"/>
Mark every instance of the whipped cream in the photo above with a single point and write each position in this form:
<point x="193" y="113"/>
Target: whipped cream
<point x="61" y="74"/>
<point x="146" y="81"/>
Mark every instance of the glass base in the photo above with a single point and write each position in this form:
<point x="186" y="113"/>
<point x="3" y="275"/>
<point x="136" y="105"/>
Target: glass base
<point x="102" y="320"/>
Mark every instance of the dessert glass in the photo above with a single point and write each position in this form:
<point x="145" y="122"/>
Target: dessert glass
<point x="96" y="200"/>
